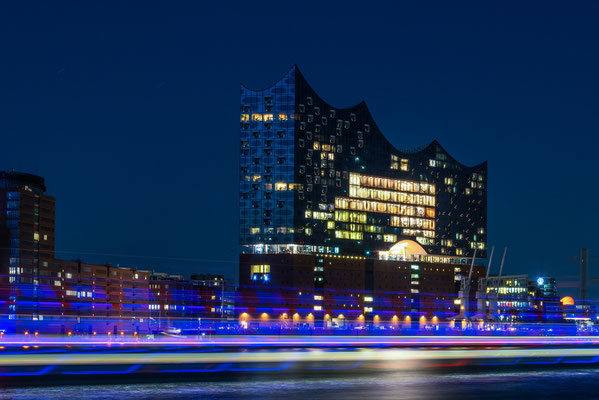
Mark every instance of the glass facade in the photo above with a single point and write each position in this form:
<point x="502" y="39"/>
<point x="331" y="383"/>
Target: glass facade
<point x="343" y="185"/>
<point x="266" y="166"/>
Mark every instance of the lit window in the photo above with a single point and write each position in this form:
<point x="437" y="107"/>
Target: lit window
<point x="280" y="186"/>
<point x="282" y="117"/>
<point x="255" y="231"/>
<point x="256" y="117"/>
<point x="245" y="117"/>
<point x="267" y="117"/>
<point x="261" y="269"/>
<point x="36" y="236"/>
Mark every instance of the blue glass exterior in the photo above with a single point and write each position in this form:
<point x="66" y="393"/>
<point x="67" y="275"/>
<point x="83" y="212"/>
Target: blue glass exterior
<point x="267" y="163"/>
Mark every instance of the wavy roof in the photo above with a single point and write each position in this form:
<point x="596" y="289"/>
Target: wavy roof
<point x="362" y="109"/>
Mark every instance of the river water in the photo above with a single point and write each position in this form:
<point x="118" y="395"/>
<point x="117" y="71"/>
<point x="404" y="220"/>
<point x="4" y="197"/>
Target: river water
<point x="558" y="383"/>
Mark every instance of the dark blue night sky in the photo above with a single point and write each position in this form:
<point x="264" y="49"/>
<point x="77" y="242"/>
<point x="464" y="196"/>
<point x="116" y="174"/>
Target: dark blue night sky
<point x="130" y="110"/>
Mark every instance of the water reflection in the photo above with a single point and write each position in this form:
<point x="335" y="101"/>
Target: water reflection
<point x="546" y="384"/>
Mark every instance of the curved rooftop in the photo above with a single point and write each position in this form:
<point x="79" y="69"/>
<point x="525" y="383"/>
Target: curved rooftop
<point x="363" y="109"/>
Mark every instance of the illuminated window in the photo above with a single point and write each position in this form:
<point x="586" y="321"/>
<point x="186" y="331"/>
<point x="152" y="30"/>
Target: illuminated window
<point x="349" y="235"/>
<point x="368" y="299"/>
<point x="36" y="236"/>
<point x="261" y="269"/>
<point x="404" y="164"/>
<point x="245" y="117"/>
<point x="255" y="231"/>
<point x="280" y="186"/>
<point x="267" y="117"/>
<point x="256" y="117"/>
<point x="390" y="238"/>
<point x="317" y="308"/>
<point x="282" y="117"/>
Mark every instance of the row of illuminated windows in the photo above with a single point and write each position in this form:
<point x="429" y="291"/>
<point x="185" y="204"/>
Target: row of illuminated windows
<point x="349" y="235"/>
<point x="78" y="294"/>
<point x="278" y="186"/>
<point x="347" y="216"/>
<point x="408" y="222"/>
<point x="318" y="215"/>
<point x="260" y="269"/>
<point x="393" y="184"/>
<point x="383" y="208"/>
<point x="419" y="232"/>
<point x="264" y="117"/>
<point x="388" y="195"/>
<point x="425" y="241"/>
<point x="358" y="228"/>
<point x="440" y="164"/>
<point x="280" y="230"/>
<point x="477" y="245"/>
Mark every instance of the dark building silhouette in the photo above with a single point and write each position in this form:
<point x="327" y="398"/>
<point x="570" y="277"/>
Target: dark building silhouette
<point x="318" y="179"/>
<point x="330" y="207"/>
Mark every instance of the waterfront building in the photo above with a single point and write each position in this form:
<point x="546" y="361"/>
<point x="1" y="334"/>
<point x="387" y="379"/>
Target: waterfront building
<point x="26" y="239"/>
<point x="40" y="293"/>
<point x="512" y="298"/>
<point x="329" y="205"/>
<point x="320" y="179"/>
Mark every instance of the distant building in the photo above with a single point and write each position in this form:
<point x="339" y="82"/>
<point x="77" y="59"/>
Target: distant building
<point x="513" y="298"/>
<point x="42" y="293"/>
<point x="26" y="240"/>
